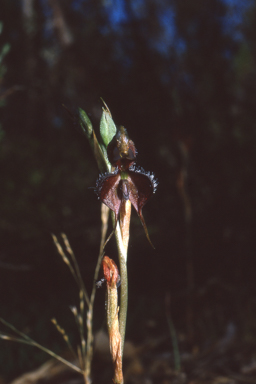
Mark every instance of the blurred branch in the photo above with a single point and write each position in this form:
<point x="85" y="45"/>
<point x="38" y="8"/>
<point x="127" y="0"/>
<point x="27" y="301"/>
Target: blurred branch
<point x="13" y="267"/>
<point x="8" y="92"/>
<point x="60" y="25"/>
<point x="182" y="187"/>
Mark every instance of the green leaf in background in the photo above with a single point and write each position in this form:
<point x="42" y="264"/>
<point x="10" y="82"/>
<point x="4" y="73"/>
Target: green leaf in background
<point x="85" y="123"/>
<point x="3" y="52"/>
<point x="107" y="126"/>
<point x="100" y="152"/>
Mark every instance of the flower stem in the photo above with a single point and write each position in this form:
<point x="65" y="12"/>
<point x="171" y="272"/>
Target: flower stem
<point x="123" y="295"/>
<point x="122" y="239"/>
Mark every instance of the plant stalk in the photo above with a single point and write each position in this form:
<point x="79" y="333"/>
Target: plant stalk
<point x="122" y="239"/>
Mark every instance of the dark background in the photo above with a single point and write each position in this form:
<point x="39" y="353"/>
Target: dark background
<point x="181" y="77"/>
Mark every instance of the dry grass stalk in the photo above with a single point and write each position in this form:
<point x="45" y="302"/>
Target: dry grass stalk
<point x="65" y="336"/>
<point x="69" y="258"/>
<point x="25" y="339"/>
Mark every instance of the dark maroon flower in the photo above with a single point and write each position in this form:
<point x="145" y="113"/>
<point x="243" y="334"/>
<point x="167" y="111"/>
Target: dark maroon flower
<point x="127" y="182"/>
<point x="137" y="186"/>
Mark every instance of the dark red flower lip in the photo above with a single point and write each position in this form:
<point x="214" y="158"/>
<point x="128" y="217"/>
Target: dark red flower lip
<point x="137" y="170"/>
<point x="149" y="174"/>
<point x="102" y="177"/>
<point x="134" y="184"/>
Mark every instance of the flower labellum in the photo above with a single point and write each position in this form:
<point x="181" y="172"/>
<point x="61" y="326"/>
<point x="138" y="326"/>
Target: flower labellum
<point x="126" y="182"/>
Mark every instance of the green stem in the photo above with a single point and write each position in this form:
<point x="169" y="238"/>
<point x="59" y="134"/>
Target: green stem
<point x="175" y="344"/>
<point x="122" y="254"/>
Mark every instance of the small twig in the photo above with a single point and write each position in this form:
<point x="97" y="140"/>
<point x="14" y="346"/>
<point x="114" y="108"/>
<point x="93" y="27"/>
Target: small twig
<point x="64" y="257"/>
<point x="65" y="336"/>
<point x="10" y="91"/>
<point x="77" y="270"/>
<point x="27" y="340"/>
<point x="89" y="320"/>
<point x="13" y="267"/>
<point x="81" y="327"/>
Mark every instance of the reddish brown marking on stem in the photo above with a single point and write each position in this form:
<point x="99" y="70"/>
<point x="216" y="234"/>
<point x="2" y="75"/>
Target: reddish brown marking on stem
<point x="110" y="271"/>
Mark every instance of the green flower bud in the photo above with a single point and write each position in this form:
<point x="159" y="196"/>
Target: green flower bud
<point x="107" y="126"/>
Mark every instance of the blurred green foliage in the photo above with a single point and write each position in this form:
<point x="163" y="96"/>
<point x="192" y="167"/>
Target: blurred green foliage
<point x="3" y="52"/>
